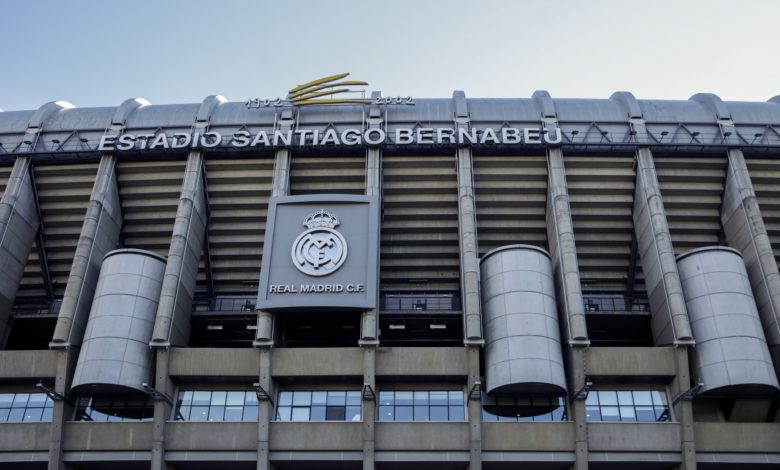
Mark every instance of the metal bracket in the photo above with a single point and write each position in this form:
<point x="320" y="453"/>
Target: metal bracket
<point x="368" y="393"/>
<point x="155" y="394"/>
<point x="476" y="391"/>
<point x="262" y="394"/>
<point x="688" y="395"/>
<point x="50" y="392"/>
<point x="583" y="392"/>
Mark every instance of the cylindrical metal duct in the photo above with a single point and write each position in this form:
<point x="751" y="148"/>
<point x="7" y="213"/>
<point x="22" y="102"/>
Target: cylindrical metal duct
<point x="731" y="355"/>
<point x="115" y="355"/>
<point x="522" y="337"/>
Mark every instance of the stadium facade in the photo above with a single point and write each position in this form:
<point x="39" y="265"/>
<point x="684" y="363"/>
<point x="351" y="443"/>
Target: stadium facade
<point x="402" y="283"/>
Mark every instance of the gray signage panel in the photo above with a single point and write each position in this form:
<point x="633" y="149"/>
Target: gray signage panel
<point x="320" y="251"/>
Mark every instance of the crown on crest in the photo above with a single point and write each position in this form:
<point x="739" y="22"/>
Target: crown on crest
<point x="321" y="218"/>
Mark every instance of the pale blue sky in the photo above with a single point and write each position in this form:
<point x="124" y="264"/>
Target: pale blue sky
<point x="98" y="53"/>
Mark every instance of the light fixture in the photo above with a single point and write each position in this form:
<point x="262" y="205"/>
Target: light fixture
<point x="438" y="326"/>
<point x="397" y="326"/>
<point x="251" y="327"/>
<point x="213" y="327"/>
<point x="582" y="393"/>
<point x="368" y="393"/>
<point x="688" y="395"/>
<point x="155" y="394"/>
<point x="262" y="395"/>
<point x="476" y="391"/>
<point x="55" y="396"/>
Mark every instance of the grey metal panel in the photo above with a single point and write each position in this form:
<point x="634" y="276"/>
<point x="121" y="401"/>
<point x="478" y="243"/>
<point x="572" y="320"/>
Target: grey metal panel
<point x="18" y="226"/>
<point x="115" y="355"/>
<point x="523" y="347"/>
<point x="589" y="110"/>
<point x="670" y="111"/>
<point x="172" y="323"/>
<point x="504" y="109"/>
<point x="100" y="234"/>
<point x="669" y="318"/>
<point x="168" y="115"/>
<point x="14" y="121"/>
<point x="731" y="355"/>
<point x="79" y="118"/>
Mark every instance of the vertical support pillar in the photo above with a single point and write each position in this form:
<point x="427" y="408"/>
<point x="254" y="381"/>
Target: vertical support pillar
<point x="63" y="409"/>
<point x="100" y="234"/>
<point x="172" y="324"/>
<point x="369" y="320"/>
<point x="264" y="335"/>
<point x="265" y="410"/>
<point x="18" y="226"/>
<point x="684" y="408"/>
<point x="669" y="316"/>
<point x="566" y="271"/>
<point x="469" y="277"/>
<point x="745" y="230"/>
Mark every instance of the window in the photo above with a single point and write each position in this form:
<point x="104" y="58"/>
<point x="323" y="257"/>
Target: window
<point x="25" y="408"/>
<point x="115" y="408"/>
<point x="319" y="406"/>
<point x="523" y="408"/>
<point x="627" y="405"/>
<point x="421" y="406"/>
<point x="216" y="405"/>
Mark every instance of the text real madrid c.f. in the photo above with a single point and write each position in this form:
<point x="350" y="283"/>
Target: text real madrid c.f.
<point x="327" y="137"/>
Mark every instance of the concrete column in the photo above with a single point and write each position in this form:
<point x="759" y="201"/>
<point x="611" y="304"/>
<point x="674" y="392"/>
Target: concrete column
<point x="684" y="409"/>
<point x="670" y="322"/>
<point x="264" y="334"/>
<point x="265" y="410"/>
<point x="100" y="234"/>
<point x="369" y="407"/>
<point x="745" y="230"/>
<point x="162" y="409"/>
<point x="560" y="238"/>
<point x="369" y="322"/>
<point x="467" y="232"/>
<point x="172" y="325"/>
<point x="18" y="225"/>
<point x="474" y="409"/>
<point x="577" y="359"/>
<point x="63" y="409"/>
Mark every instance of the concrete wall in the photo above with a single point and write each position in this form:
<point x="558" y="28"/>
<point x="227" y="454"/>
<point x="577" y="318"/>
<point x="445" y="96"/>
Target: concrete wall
<point x="193" y="363"/>
<point x="637" y="361"/>
<point x="422" y="436"/>
<point x="422" y="362"/>
<point x="344" y="436"/>
<point x="28" y="364"/>
<point x="315" y="362"/>
<point x="86" y="436"/>
<point x="634" y="437"/>
<point x="542" y="437"/>
<point x="24" y="437"/>
<point x="737" y="437"/>
<point x="210" y="436"/>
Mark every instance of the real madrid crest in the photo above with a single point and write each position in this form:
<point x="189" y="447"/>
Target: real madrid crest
<point x="321" y="249"/>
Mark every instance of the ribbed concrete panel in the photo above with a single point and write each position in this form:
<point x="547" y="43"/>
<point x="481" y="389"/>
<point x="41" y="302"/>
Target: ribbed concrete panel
<point x="172" y="324"/>
<point x="669" y="320"/>
<point x="467" y="234"/>
<point x="329" y="175"/>
<point x="420" y="243"/>
<point x="238" y="192"/>
<point x="511" y="192"/>
<point x="18" y="226"/>
<point x="100" y="233"/>
<point x="115" y="355"/>
<point x="150" y="196"/>
<point x="731" y="354"/>
<point x="5" y="173"/>
<point x="63" y="194"/>
<point x="745" y="231"/>
<point x="765" y="175"/>
<point x="692" y="189"/>
<point x="522" y="337"/>
<point x="601" y="196"/>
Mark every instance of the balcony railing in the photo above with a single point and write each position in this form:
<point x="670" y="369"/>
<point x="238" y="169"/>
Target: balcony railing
<point x="228" y="303"/>
<point x="615" y="303"/>
<point x="419" y="302"/>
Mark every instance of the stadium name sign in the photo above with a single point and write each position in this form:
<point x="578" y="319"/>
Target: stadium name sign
<point x="316" y="137"/>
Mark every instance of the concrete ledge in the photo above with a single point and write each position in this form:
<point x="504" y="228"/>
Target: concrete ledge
<point x="312" y="362"/>
<point x="424" y="362"/>
<point x="28" y="364"/>
<point x="418" y="436"/>
<point x="316" y="436"/>
<point x="188" y="436"/>
<point x="196" y="363"/>
<point x="24" y="437"/>
<point x="634" y="437"/>
<point x="639" y="361"/>
<point x="737" y="437"/>
<point x="87" y="436"/>
<point x="536" y="437"/>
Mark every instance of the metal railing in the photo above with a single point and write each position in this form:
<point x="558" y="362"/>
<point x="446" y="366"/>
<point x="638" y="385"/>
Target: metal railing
<point x="419" y="301"/>
<point x="615" y="303"/>
<point x="228" y="303"/>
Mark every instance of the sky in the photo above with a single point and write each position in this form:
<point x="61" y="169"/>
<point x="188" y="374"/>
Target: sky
<point x="99" y="53"/>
